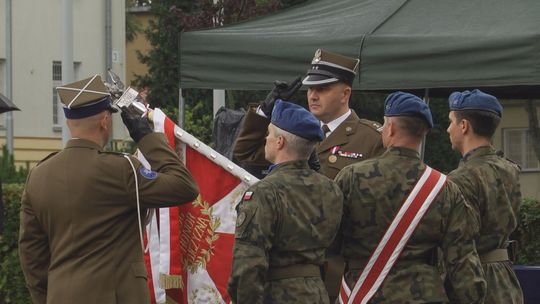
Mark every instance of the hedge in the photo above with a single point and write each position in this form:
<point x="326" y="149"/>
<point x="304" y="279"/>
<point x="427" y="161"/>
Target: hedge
<point x="13" y="290"/>
<point x="12" y="285"/>
<point x="527" y="234"/>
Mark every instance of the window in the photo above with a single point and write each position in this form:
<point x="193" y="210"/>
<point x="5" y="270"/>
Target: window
<point x="518" y="147"/>
<point x="56" y="81"/>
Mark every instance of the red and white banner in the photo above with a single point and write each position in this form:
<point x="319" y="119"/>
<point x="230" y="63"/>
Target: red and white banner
<point x="190" y="246"/>
<point x="394" y="240"/>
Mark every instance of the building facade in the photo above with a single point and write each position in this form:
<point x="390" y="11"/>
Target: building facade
<point x="37" y="52"/>
<point x="514" y="139"/>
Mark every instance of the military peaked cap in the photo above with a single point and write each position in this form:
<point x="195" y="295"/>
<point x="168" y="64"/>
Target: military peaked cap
<point x="327" y="68"/>
<point x="296" y="120"/>
<point x="406" y="104"/>
<point x="85" y="98"/>
<point x="474" y="100"/>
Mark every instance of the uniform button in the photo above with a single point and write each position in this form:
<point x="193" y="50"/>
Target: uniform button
<point x="332" y="158"/>
<point x="348" y="129"/>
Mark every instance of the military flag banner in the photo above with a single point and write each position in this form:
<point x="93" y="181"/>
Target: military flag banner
<point x="189" y="254"/>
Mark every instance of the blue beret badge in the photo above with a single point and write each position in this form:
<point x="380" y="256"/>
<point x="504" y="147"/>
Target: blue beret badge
<point x="147" y="173"/>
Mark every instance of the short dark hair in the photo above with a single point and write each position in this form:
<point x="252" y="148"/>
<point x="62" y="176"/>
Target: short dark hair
<point x="483" y="123"/>
<point x="413" y="126"/>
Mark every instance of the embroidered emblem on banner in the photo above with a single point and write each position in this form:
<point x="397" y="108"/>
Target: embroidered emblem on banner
<point x="198" y="235"/>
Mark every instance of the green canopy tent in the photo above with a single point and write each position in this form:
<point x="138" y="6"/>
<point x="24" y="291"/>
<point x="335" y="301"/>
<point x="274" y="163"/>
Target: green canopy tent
<point x="402" y="44"/>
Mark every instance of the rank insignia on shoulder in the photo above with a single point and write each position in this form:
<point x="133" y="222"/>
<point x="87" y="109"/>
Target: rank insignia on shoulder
<point x="248" y="195"/>
<point x="379" y="129"/>
<point x="350" y="154"/>
<point x="147" y="173"/>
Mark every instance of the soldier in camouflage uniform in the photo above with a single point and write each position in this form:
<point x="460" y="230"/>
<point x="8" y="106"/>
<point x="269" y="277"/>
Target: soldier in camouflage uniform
<point x="490" y="183"/>
<point x="348" y="139"/>
<point x="287" y="220"/>
<point x="374" y="191"/>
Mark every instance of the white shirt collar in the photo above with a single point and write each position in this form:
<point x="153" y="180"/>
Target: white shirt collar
<point x="336" y="122"/>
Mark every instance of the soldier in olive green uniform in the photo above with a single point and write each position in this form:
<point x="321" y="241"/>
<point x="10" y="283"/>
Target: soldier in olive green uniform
<point x="287" y="220"/>
<point x="490" y="183"/>
<point x="374" y="191"/>
<point x="79" y="236"/>
<point x="348" y="139"/>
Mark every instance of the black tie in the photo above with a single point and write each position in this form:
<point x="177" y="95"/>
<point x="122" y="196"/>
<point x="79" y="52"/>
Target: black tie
<point x="325" y="129"/>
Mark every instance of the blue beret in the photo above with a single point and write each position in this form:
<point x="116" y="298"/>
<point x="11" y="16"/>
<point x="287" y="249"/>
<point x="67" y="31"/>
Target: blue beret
<point x="405" y="104"/>
<point x="475" y="100"/>
<point x="296" y="120"/>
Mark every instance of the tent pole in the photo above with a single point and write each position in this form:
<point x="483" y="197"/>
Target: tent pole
<point x="423" y="144"/>
<point x="219" y="100"/>
<point x="181" y="101"/>
<point x="181" y="107"/>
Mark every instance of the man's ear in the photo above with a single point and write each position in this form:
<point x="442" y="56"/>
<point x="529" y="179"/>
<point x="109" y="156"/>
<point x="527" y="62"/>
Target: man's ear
<point x="347" y="91"/>
<point x="280" y="142"/>
<point x="103" y="122"/>
<point x="391" y="127"/>
<point x="465" y="126"/>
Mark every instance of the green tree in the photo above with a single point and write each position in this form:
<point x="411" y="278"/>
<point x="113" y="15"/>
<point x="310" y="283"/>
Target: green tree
<point x="173" y="17"/>
<point x="438" y="151"/>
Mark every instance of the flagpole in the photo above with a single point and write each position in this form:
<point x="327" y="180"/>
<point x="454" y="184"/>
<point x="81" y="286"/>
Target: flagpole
<point x="214" y="156"/>
<point x="211" y="154"/>
<point x="132" y="101"/>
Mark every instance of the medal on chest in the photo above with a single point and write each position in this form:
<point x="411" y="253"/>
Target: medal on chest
<point x="336" y="151"/>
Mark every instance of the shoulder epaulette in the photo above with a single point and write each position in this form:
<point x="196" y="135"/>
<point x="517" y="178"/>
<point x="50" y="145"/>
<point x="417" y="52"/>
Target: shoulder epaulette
<point x="501" y="155"/>
<point x="372" y="124"/>
<point x="47" y="157"/>
<point x="114" y="153"/>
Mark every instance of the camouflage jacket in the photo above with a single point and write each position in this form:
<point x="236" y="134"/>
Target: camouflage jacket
<point x="373" y="191"/>
<point x="490" y="183"/>
<point x="288" y="218"/>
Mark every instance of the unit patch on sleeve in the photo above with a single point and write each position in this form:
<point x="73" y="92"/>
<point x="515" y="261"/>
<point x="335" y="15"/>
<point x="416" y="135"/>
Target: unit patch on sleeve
<point x="148" y="174"/>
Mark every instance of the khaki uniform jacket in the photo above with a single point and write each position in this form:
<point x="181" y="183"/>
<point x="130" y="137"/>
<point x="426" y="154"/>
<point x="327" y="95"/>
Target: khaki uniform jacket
<point x="287" y="219"/>
<point x="79" y="237"/>
<point x="373" y="192"/>
<point x="356" y="140"/>
<point x="490" y="183"/>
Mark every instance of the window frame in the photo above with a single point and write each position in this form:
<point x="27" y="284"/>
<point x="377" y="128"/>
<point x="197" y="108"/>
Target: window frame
<point x="525" y="142"/>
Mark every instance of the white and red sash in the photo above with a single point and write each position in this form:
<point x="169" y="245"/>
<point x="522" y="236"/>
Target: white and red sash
<point x="394" y="240"/>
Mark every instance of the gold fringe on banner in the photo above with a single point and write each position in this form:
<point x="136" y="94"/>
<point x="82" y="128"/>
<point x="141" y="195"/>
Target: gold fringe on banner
<point x="167" y="281"/>
<point x="170" y="300"/>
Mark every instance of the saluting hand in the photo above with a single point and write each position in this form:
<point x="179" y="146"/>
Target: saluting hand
<point x="282" y="90"/>
<point x="137" y="126"/>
